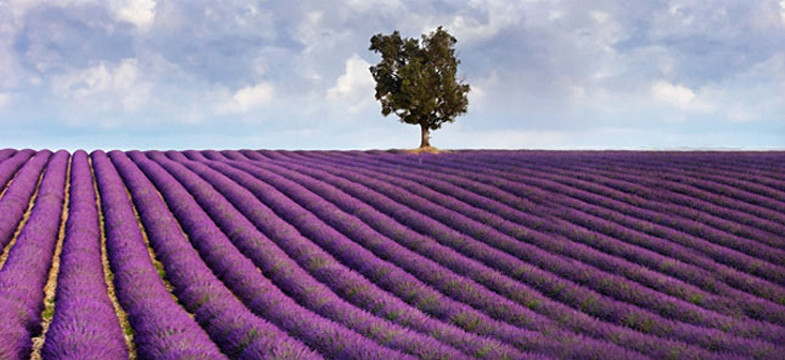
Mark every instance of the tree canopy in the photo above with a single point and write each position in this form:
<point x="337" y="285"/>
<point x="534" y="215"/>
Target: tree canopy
<point x="416" y="80"/>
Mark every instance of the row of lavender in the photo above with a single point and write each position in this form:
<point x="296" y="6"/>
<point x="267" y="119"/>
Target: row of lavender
<point x="774" y="332"/>
<point x="586" y="301"/>
<point x="369" y="255"/>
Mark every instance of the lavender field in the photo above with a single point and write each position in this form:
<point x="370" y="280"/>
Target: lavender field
<point x="390" y="255"/>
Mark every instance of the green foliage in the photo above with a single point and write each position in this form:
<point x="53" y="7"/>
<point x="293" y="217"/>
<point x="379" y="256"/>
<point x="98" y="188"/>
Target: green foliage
<point x="128" y="331"/>
<point x="466" y="321"/>
<point x="696" y="299"/>
<point x="533" y="304"/>
<point x="394" y="314"/>
<point x="160" y="269"/>
<point x="416" y="79"/>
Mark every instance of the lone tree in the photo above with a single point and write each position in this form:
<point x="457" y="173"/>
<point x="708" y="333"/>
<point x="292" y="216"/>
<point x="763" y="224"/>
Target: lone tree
<point x="416" y="80"/>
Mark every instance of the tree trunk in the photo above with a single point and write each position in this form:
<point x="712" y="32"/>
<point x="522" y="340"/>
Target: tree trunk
<point x="425" y="136"/>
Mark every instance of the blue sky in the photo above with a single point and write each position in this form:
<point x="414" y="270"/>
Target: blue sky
<point x="559" y="74"/>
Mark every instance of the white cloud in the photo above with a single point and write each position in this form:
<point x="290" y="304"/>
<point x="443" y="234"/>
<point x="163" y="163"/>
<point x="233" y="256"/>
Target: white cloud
<point x="311" y="28"/>
<point x="362" y="6"/>
<point x="250" y="97"/>
<point x="138" y="12"/>
<point x="534" y="65"/>
<point x="5" y="100"/>
<point x="782" y="11"/>
<point x="500" y="15"/>
<point x="247" y="99"/>
<point x="105" y="86"/>
<point x="600" y="17"/>
<point x="10" y="71"/>
<point x="355" y="86"/>
<point x="678" y="95"/>
<point x="685" y="98"/>
<point x="480" y="88"/>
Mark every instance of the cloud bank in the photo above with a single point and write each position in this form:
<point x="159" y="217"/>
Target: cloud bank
<point x="545" y="74"/>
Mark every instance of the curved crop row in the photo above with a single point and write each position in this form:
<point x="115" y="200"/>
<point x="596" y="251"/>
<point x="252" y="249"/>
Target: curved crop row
<point x="731" y="219"/>
<point x="616" y="224"/>
<point x="232" y="326"/>
<point x="641" y="208"/>
<point x="381" y="330"/>
<point x="607" y="309"/>
<point x="84" y="323"/>
<point x="562" y="315"/>
<point x="6" y="153"/>
<point x="474" y="346"/>
<point x="697" y="248"/>
<point x="750" y="179"/>
<point x="162" y="329"/>
<point x="420" y="255"/>
<point x="240" y="276"/>
<point x="26" y="270"/>
<point x="672" y="189"/>
<point x="391" y="255"/>
<point x="721" y="186"/>
<point x="10" y="165"/>
<point x="603" y="282"/>
<point x="16" y="199"/>
<point x="741" y="230"/>
<point x="683" y="231"/>
<point x="556" y="241"/>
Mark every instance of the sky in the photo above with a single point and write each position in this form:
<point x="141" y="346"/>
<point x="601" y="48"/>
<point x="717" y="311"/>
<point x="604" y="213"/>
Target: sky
<point x="544" y="74"/>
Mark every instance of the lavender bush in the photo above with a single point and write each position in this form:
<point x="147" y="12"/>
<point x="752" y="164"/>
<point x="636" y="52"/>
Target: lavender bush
<point x="390" y="255"/>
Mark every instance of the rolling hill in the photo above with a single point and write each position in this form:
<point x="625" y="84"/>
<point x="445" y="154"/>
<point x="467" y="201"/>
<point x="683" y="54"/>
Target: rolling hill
<point x="391" y="255"/>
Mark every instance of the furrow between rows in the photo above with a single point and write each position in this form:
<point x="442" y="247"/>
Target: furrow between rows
<point x="556" y="243"/>
<point x="16" y="205"/>
<point x="6" y="153"/>
<point x="735" y="223"/>
<point x="601" y="330"/>
<point x="84" y="324"/>
<point x="605" y="307"/>
<point x="607" y="221"/>
<point x="25" y="272"/>
<point x="50" y="287"/>
<point x="109" y="276"/>
<point x="678" y="191"/>
<point x="230" y="325"/>
<point x="684" y="231"/>
<point x="263" y="255"/>
<point x="342" y="309"/>
<point x="162" y="328"/>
